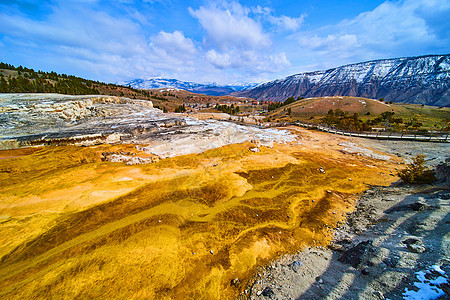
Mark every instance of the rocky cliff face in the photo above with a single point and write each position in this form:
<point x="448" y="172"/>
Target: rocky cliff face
<point x="421" y="80"/>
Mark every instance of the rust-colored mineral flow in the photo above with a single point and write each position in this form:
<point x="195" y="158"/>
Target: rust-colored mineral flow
<point x="74" y="226"/>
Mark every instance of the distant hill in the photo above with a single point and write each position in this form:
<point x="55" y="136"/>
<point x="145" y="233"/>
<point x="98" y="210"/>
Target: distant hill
<point x="207" y="89"/>
<point x="313" y="110"/>
<point x="24" y="80"/>
<point x="420" y="80"/>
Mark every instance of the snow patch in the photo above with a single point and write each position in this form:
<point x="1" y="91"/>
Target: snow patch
<point x="427" y="288"/>
<point x="444" y="66"/>
<point x="438" y="269"/>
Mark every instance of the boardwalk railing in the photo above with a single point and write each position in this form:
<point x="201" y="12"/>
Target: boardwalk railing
<point x="442" y="137"/>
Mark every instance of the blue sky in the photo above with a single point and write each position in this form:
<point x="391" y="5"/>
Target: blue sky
<point x="215" y="41"/>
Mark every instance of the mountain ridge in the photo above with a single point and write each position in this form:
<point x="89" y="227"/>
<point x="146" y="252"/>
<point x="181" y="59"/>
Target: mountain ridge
<point x="211" y="89"/>
<point x="421" y="80"/>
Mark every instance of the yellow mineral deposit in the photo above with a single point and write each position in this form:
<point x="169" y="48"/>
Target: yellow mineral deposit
<point x="73" y="226"/>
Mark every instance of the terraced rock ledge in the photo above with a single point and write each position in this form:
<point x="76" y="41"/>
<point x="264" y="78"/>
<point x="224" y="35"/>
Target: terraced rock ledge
<point x="195" y="223"/>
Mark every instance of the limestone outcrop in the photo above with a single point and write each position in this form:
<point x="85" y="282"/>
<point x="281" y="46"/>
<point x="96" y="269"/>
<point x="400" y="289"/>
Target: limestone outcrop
<point x="51" y="119"/>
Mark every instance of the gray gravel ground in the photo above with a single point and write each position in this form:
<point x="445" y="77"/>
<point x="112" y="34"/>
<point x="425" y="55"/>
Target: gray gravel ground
<point x="435" y="152"/>
<point x="393" y="233"/>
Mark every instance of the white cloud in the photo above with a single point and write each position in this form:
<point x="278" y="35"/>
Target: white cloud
<point x="77" y="39"/>
<point x="130" y="39"/>
<point x="389" y="24"/>
<point x="248" y="61"/>
<point x="229" y="26"/>
<point x="280" y="61"/>
<point x="173" y="43"/>
<point x="280" y="22"/>
<point x="287" y="23"/>
<point x="65" y="28"/>
<point x="236" y="41"/>
<point x="173" y="52"/>
<point x="392" y="29"/>
<point x="219" y="60"/>
<point x="80" y="40"/>
<point x="330" y="42"/>
<point x="168" y="2"/>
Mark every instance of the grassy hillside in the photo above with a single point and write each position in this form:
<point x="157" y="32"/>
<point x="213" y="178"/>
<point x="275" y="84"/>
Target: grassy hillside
<point x="397" y="116"/>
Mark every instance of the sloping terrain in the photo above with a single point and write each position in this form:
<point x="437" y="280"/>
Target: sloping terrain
<point x="313" y="109"/>
<point x="190" y="227"/>
<point x="420" y="80"/>
<point x="362" y="106"/>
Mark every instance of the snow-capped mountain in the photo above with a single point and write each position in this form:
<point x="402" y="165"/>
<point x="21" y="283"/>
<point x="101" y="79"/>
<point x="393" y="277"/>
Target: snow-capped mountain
<point x="208" y="89"/>
<point x="421" y="80"/>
